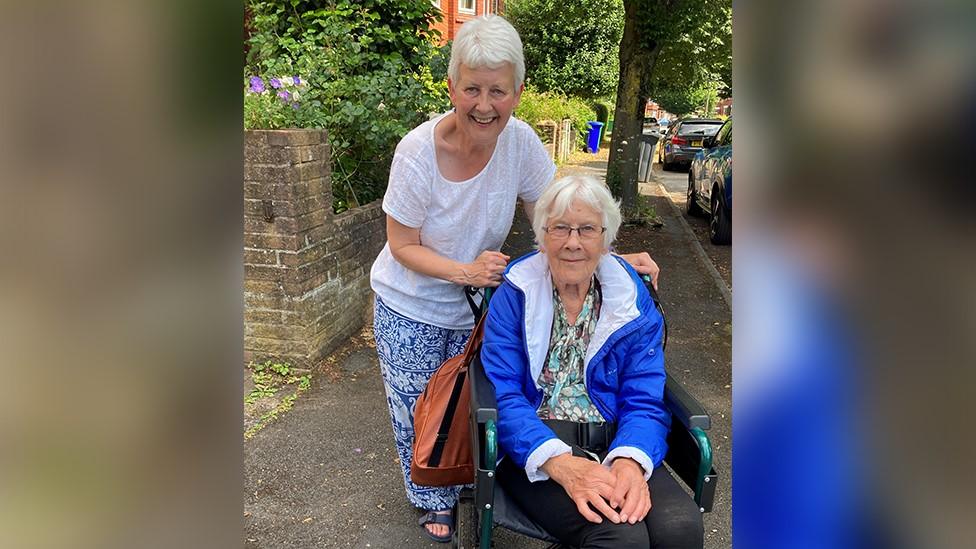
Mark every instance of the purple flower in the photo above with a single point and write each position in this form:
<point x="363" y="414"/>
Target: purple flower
<point x="294" y="106"/>
<point x="275" y="83"/>
<point x="298" y="81"/>
<point x="285" y="96"/>
<point x="257" y="85"/>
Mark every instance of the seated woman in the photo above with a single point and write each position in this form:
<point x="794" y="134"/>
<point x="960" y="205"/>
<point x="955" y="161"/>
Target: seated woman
<point x="573" y="347"/>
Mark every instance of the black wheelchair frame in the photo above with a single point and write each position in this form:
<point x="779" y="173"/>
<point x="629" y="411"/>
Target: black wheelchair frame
<point x="481" y="507"/>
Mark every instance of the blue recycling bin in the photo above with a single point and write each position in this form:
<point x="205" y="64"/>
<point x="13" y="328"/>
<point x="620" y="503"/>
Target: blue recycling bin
<point x="593" y="138"/>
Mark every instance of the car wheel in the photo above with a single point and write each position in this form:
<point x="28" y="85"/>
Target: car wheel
<point x="693" y="207"/>
<point x="665" y="165"/>
<point x="720" y="224"/>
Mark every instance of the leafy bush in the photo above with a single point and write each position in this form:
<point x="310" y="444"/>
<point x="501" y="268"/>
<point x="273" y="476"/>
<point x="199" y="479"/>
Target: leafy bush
<point x="570" y="47"/>
<point x="362" y="70"/>
<point x="538" y="106"/>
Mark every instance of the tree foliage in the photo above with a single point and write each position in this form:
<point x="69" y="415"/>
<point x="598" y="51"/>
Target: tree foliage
<point x="694" y="64"/>
<point x="384" y="30"/>
<point x="365" y="78"/>
<point x="675" y="51"/>
<point x="570" y="47"/>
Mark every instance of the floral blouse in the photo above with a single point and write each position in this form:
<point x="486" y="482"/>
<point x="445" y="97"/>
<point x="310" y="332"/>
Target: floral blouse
<point x="562" y="379"/>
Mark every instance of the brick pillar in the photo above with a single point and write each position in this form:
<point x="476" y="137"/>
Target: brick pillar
<point x="287" y="194"/>
<point x="550" y="134"/>
<point x="306" y="270"/>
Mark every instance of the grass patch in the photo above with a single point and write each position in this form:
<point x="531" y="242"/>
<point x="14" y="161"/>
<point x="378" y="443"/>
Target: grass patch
<point x="643" y="213"/>
<point x="276" y="386"/>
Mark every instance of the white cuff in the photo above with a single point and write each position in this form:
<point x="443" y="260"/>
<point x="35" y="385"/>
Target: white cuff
<point x="550" y="448"/>
<point x="633" y="453"/>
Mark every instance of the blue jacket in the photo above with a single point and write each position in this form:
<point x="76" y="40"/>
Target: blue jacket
<point x="624" y="364"/>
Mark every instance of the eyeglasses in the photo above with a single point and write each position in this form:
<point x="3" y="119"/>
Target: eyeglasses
<point x="586" y="232"/>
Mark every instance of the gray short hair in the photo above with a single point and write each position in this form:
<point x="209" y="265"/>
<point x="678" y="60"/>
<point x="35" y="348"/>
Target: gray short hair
<point x="488" y="41"/>
<point x="558" y="196"/>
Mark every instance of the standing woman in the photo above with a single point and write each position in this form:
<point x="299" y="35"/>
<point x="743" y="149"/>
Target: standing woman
<point x="454" y="184"/>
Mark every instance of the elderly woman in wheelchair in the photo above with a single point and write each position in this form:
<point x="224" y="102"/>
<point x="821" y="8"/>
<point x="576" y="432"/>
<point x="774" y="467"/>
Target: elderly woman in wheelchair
<point x="573" y="347"/>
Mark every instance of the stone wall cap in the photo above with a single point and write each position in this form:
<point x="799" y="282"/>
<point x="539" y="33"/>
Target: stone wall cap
<point x="292" y="136"/>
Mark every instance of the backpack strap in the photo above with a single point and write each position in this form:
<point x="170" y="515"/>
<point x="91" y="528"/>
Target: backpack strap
<point x="469" y="293"/>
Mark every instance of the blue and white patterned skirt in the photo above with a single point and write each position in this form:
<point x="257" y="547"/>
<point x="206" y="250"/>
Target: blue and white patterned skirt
<point x="409" y="354"/>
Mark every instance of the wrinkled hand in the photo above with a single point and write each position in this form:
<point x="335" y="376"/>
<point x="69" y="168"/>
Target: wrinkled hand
<point x="631" y="494"/>
<point x="643" y="264"/>
<point x="486" y="271"/>
<point x="586" y="482"/>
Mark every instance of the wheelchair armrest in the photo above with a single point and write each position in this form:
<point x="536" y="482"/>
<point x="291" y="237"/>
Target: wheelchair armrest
<point x="484" y="441"/>
<point x="484" y="406"/>
<point x="684" y="407"/>
<point x="689" y="450"/>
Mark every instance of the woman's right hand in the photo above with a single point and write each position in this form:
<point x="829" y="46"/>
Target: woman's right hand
<point x="586" y="482"/>
<point x="485" y="271"/>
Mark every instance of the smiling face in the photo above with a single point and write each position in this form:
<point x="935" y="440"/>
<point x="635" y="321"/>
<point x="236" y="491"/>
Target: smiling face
<point x="485" y="99"/>
<point x="573" y="260"/>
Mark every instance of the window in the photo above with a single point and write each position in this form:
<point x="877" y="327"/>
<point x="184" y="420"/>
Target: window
<point x="466" y="6"/>
<point x="724" y="135"/>
<point x="707" y="129"/>
<point x="726" y="139"/>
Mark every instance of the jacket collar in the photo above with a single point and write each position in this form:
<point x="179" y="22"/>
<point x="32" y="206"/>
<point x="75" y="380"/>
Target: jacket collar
<point x="530" y="274"/>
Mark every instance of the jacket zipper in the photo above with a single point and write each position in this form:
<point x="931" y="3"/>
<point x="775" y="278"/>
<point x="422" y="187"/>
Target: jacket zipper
<point x="625" y="330"/>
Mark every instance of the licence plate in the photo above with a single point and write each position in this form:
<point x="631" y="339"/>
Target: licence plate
<point x="696" y="143"/>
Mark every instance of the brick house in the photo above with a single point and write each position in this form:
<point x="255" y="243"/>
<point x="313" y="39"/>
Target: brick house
<point x="724" y="106"/>
<point x="456" y="12"/>
<point x="653" y="110"/>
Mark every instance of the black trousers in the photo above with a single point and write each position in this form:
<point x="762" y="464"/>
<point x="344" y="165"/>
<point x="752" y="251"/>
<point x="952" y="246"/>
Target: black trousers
<point x="673" y="522"/>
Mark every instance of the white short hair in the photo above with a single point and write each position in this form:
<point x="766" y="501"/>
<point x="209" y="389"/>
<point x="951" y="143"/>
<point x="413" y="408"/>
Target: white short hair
<point x="489" y="42"/>
<point x="559" y="195"/>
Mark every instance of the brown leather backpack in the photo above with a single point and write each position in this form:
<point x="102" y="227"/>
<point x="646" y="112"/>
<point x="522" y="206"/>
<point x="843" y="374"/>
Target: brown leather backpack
<point x="442" y="441"/>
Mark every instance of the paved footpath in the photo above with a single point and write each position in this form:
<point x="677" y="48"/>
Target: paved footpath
<point x="325" y="474"/>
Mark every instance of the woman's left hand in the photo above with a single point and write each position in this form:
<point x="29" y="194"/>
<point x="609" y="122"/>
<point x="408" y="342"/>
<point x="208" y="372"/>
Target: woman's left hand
<point x="630" y="494"/>
<point x="643" y="264"/>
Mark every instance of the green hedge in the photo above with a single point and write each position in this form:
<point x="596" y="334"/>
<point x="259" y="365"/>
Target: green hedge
<point x="538" y="106"/>
<point x="361" y="70"/>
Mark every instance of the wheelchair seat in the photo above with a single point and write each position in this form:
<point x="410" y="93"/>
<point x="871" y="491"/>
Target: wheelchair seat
<point x="486" y="505"/>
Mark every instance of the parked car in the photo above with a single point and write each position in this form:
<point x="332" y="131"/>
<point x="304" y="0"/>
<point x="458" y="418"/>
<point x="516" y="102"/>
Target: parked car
<point x="651" y="125"/>
<point x="710" y="184"/>
<point x="684" y="139"/>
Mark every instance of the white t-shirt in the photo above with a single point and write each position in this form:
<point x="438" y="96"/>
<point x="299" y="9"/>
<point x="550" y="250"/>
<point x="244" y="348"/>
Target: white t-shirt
<point x="457" y="220"/>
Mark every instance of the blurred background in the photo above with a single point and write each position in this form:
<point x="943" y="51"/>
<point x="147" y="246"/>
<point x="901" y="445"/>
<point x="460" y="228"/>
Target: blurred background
<point x="121" y="277"/>
<point x="121" y="274"/>
<point x="854" y="268"/>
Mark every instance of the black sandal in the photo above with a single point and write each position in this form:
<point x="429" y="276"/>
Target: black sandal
<point x="432" y="517"/>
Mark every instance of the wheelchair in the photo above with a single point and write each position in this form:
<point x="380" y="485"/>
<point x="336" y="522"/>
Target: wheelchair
<point x="484" y="505"/>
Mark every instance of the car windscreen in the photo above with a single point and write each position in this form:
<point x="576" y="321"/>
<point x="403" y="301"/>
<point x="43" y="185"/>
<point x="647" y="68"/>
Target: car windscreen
<point x="699" y="128"/>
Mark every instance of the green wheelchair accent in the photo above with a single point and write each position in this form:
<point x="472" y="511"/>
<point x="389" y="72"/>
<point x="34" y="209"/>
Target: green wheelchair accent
<point x="491" y="455"/>
<point x="705" y="465"/>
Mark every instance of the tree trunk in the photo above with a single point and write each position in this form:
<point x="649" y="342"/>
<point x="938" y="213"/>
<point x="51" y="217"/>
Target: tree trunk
<point x="622" y="168"/>
<point x="628" y="115"/>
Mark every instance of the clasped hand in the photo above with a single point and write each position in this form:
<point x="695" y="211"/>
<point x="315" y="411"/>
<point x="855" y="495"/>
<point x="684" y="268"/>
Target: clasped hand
<point x="592" y="486"/>
<point x="485" y="271"/>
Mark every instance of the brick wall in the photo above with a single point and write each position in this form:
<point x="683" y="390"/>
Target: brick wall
<point x="453" y="18"/>
<point x="306" y="270"/>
